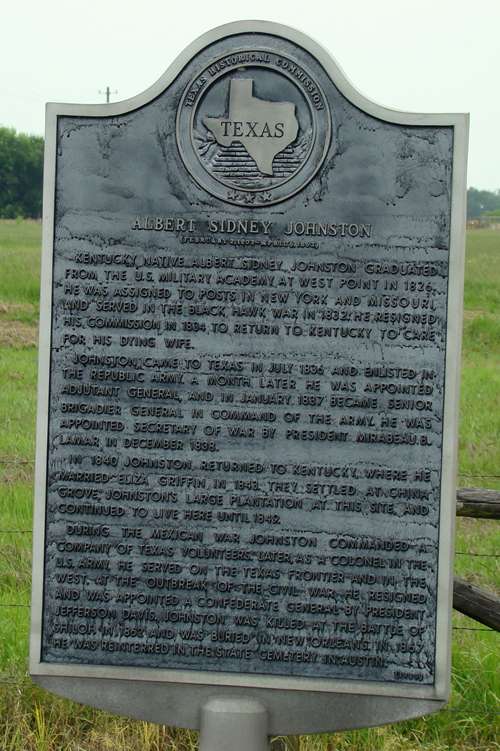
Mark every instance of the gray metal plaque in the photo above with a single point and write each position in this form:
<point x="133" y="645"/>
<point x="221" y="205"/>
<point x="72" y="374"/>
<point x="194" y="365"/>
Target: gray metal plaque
<point x="248" y="386"/>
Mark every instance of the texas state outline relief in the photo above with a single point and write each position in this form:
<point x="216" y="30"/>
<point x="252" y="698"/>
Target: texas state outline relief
<point x="264" y="128"/>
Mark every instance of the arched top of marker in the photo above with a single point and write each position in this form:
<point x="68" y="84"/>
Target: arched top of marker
<point x="271" y="29"/>
<point x="251" y="174"/>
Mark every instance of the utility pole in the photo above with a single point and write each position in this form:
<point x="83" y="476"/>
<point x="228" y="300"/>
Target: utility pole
<point x="108" y="92"/>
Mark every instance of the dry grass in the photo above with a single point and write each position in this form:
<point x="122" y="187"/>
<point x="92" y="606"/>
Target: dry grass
<point x="32" y="719"/>
<point x="16" y="470"/>
<point x="17" y="334"/>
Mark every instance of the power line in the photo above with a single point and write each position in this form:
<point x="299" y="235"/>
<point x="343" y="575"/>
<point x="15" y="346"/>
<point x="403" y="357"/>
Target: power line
<point x="107" y="91"/>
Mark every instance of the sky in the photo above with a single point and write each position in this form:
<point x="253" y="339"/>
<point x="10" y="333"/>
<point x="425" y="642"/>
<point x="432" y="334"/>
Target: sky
<point x="423" y="56"/>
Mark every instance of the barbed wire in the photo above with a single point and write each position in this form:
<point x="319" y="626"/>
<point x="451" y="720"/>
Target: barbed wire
<point x="475" y="714"/>
<point x="455" y="710"/>
<point x="467" y="474"/>
<point x="6" y="460"/>
<point x="473" y="628"/>
<point x="455" y="628"/>
<point x="478" y="555"/>
<point x="15" y="531"/>
<point x="14" y="605"/>
<point x="3" y="460"/>
<point x="457" y="552"/>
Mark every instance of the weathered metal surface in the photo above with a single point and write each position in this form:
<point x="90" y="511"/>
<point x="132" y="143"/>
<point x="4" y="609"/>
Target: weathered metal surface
<point x="250" y="335"/>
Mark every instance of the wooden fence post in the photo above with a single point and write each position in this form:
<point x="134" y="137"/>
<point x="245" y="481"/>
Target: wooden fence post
<point x="478" y="503"/>
<point x="476" y="603"/>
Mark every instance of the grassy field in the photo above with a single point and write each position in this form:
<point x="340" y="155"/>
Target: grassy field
<point x="33" y="720"/>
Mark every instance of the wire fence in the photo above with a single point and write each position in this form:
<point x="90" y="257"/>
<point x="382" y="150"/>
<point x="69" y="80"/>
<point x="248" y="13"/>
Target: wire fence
<point x="457" y="552"/>
<point x="22" y="684"/>
<point x="16" y="531"/>
<point x="478" y="555"/>
<point x="9" y="460"/>
<point x="453" y="710"/>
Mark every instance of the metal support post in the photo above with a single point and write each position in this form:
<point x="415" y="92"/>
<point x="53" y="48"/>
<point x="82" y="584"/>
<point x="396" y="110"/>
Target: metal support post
<point x="229" y="724"/>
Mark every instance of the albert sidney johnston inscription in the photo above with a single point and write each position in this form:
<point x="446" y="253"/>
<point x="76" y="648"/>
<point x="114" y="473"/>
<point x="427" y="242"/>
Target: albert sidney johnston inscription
<point x="245" y="455"/>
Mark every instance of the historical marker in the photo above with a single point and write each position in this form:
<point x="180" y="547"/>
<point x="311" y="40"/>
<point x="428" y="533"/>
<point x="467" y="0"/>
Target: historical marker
<point x="248" y="385"/>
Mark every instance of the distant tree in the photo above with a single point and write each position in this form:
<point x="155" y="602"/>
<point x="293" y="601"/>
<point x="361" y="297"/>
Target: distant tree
<point x="21" y="177"/>
<point x="21" y="169"/>
<point x="479" y="201"/>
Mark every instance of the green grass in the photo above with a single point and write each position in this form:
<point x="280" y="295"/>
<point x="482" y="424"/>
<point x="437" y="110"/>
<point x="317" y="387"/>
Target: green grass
<point x="19" y="271"/>
<point x="34" y="720"/>
<point x="482" y="271"/>
<point x="480" y="399"/>
<point x="18" y="371"/>
<point x="479" y="452"/>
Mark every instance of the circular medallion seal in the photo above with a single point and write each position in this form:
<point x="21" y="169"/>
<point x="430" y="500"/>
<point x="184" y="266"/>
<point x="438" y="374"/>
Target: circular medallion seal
<point x="253" y="128"/>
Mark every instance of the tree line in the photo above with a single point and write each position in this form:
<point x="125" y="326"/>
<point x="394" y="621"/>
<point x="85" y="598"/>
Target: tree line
<point x="482" y="203"/>
<point x="21" y="170"/>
